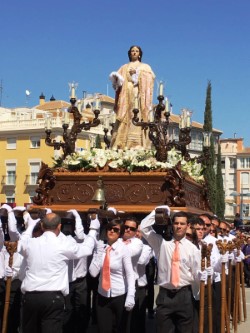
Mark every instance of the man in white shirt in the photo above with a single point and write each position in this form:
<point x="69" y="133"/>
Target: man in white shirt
<point x="46" y="280"/>
<point x="134" y="246"/>
<point x="178" y="267"/>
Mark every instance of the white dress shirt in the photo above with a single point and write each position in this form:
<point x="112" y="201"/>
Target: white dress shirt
<point x="47" y="261"/>
<point x="121" y="270"/>
<point x="145" y="256"/>
<point x="190" y="258"/>
<point x="134" y="246"/>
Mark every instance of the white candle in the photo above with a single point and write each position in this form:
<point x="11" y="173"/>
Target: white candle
<point x="113" y="117"/>
<point x="66" y="117"/>
<point x="106" y="122"/>
<point x="73" y="92"/>
<point x="166" y="105"/>
<point x="161" y="89"/>
<point x="97" y="104"/>
<point x="136" y="103"/>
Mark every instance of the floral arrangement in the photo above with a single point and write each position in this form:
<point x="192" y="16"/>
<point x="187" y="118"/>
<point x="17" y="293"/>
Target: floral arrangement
<point x="130" y="160"/>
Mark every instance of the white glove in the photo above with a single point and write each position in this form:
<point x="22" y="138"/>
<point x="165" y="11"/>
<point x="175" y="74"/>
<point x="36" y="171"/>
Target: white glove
<point x="48" y="210"/>
<point x="210" y="271"/>
<point x="95" y="224"/>
<point x="224" y="258"/>
<point x="238" y="259"/>
<point x="202" y="275"/>
<point x="230" y="256"/>
<point x="112" y="209"/>
<point x="8" y="271"/>
<point x="7" y="207"/>
<point x="26" y="216"/>
<point x="21" y="208"/>
<point x="74" y="212"/>
<point x="129" y="303"/>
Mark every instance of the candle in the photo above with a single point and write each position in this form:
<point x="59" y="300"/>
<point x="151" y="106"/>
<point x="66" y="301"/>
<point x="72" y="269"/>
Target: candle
<point x="113" y="117"/>
<point x="136" y="103"/>
<point x="180" y="122"/>
<point x="97" y="104"/>
<point x="48" y="123"/>
<point x="106" y="122"/>
<point x="73" y="92"/>
<point x="166" y="106"/>
<point x="66" y="117"/>
<point x="161" y="89"/>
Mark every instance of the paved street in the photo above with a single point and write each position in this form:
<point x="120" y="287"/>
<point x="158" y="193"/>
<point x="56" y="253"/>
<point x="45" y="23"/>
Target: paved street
<point x="243" y="327"/>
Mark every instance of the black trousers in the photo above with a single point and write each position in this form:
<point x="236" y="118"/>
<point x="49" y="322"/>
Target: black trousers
<point x="138" y="319"/>
<point x="14" y="307"/>
<point x="76" y="313"/>
<point x="150" y="274"/>
<point x="42" y="312"/>
<point x="174" y="312"/>
<point x="110" y="314"/>
<point x="2" y="299"/>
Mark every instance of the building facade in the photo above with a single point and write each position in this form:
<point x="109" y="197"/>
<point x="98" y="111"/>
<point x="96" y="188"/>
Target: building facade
<point x="235" y="160"/>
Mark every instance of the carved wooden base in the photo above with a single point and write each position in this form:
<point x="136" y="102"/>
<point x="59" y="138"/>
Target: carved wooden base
<point x="136" y="192"/>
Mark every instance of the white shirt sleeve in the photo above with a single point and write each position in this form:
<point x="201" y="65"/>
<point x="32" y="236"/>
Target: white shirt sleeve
<point x="129" y="272"/>
<point x="12" y="226"/>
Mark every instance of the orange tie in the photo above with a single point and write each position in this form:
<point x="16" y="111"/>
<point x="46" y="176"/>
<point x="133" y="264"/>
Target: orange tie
<point x="175" y="278"/>
<point x="106" y="270"/>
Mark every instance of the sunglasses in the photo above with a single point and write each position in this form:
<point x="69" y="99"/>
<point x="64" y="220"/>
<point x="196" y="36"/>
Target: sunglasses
<point x="115" y="229"/>
<point x="212" y="231"/>
<point x="223" y="229"/>
<point x="189" y="235"/>
<point x="207" y="224"/>
<point x="131" y="228"/>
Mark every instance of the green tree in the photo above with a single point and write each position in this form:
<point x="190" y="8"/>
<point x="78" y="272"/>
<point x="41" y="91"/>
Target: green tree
<point x="220" y="204"/>
<point x="209" y="172"/>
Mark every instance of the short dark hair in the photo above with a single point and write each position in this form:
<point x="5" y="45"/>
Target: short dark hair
<point x="140" y="50"/>
<point x="114" y="223"/>
<point x="196" y="220"/>
<point x="180" y="214"/>
<point x="206" y="215"/>
<point x="51" y="221"/>
<point x="132" y="219"/>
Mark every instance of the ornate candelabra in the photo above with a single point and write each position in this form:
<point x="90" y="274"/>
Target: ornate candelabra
<point x="107" y="124"/>
<point x="70" y="137"/>
<point x="158" y="130"/>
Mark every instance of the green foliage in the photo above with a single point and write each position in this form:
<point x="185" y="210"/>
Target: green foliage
<point x="220" y="206"/>
<point x="209" y="172"/>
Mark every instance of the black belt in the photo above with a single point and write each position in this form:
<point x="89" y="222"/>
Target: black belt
<point x="175" y="291"/>
<point x="56" y="292"/>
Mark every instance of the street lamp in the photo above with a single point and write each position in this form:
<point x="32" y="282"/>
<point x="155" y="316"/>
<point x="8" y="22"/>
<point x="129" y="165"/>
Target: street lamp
<point x="241" y="195"/>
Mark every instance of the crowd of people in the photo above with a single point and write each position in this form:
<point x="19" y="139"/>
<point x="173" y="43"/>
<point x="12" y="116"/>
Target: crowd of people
<point x="103" y="272"/>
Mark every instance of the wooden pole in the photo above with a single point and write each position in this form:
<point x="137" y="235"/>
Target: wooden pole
<point x="243" y="291"/>
<point x="209" y="291"/>
<point x="202" y="289"/>
<point x="222" y="246"/>
<point x="11" y="248"/>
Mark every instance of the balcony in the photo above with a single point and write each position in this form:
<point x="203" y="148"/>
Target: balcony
<point x="31" y="180"/>
<point x="8" y="180"/>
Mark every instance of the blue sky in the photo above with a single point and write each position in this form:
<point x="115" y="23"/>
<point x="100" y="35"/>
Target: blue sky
<point x="45" y="45"/>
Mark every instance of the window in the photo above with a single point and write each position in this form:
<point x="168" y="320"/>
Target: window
<point x="245" y="163"/>
<point x="11" y="174"/>
<point x="232" y="163"/>
<point x="11" y="143"/>
<point x="35" y="142"/>
<point x="10" y="199"/>
<point x="34" y="170"/>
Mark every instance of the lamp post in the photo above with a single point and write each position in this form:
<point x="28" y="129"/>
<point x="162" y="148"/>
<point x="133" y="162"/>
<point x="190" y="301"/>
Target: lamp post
<point x="241" y="195"/>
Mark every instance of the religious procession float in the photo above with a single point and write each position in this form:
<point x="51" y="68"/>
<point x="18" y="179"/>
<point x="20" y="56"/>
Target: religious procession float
<point x="140" y="167"/>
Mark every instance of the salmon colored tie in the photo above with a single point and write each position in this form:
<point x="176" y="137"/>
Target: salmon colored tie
<point x="175" y="278"/>
<point x="106" y="270"/>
